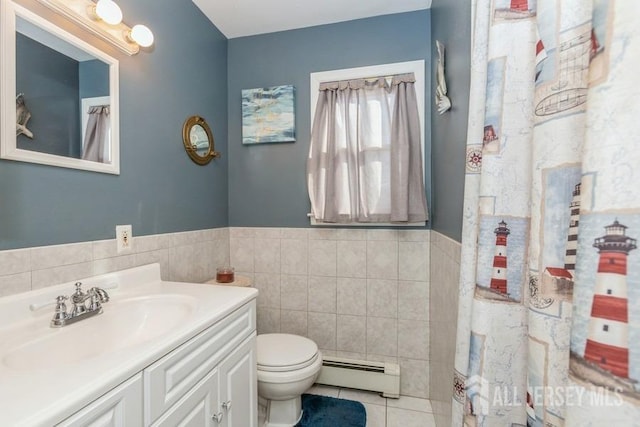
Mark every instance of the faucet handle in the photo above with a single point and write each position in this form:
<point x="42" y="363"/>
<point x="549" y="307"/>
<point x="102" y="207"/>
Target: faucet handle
<point x="98" y="296"/>
<point x="78" y="288"/>
<point x="60" y="314"/>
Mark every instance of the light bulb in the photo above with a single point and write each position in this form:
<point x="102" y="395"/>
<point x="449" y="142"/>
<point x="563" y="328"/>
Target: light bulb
<point x="142" y="35"/>
<point x="109" y="12"/>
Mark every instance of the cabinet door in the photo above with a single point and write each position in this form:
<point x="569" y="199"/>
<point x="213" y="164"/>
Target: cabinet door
<point x="121" y="407"/>
<point x="170" y="378"/>
<point x="199" y="407"/>
<point x="239" y="386"/>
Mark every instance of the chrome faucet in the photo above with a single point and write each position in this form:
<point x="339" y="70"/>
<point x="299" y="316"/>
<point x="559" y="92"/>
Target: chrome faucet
<point x="79" y="311"/>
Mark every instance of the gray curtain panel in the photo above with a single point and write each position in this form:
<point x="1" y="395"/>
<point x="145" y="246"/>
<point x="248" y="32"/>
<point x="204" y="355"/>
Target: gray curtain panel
<point x="365" y="157"/>
<point x="96" y="134"/>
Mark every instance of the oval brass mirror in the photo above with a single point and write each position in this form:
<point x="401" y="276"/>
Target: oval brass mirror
<point x="198" y="140"/>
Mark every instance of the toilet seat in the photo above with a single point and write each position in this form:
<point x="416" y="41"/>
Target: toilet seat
<point x="285" y="352"/>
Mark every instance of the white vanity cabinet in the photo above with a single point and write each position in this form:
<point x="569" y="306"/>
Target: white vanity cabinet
<point x="226" y="396"/>
<point x="239" y="387"/>
<point x="209" y="380"/>
<point x="121" y="407"/>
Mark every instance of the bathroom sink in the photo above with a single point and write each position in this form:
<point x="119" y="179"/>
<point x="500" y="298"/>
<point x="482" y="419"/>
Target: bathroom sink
<point x="124" y="323"/>
<point x="47" y="374"/>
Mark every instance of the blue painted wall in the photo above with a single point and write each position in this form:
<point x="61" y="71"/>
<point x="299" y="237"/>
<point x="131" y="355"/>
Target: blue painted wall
<point x="267" y="183"/>
<point x="94" y="79"/>
<point x="451" y="24"/>
<point x="50" y="83"/>
<point x="159" y="188"/>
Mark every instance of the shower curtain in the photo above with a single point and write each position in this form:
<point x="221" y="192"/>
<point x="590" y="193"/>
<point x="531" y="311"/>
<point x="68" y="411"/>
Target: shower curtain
<point x="549" y="311"/>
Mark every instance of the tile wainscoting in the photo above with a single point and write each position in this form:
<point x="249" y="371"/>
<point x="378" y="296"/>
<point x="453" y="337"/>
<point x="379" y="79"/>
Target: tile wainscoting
<point x="186" y="256"/>
<point x="445" y="272"/>
<point x="357" y="293"/>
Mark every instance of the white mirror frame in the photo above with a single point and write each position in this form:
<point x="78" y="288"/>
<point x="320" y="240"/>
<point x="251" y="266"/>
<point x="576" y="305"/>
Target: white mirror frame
<point x="8" y="143"/>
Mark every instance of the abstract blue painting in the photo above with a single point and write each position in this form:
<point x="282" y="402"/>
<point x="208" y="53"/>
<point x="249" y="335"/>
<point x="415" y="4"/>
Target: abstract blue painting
<point x="268" y="115"/>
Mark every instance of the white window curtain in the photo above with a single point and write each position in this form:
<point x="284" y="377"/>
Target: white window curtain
<point x="96" y="134"/>
<point x="365" y="157"/>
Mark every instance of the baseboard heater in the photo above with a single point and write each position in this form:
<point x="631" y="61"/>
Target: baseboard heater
<point x="361" y="374"/>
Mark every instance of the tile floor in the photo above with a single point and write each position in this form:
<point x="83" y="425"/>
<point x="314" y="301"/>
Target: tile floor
<point x="403" y="412"/>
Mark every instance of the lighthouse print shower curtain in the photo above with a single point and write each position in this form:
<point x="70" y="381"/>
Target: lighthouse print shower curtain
<point x="549" y="314"/>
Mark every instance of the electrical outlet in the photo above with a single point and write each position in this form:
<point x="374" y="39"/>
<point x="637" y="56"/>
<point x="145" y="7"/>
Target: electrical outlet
<point x="124" y="238"/>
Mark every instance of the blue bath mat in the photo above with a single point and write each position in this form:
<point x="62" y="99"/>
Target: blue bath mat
<point x="323" y="411"/>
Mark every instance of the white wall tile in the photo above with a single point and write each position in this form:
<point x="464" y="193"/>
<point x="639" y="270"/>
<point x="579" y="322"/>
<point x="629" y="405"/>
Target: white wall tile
<point x="382" y="298"/>
<point x="322" y="258"/>
<point x="267" y="255"/>
<point x="413" y="339"/>
<point x="108" y="265"/>
<point x="351" y="234"/>
<point x="15" y="261"/>
<point x="413" y="300"/>
<point x="293" y="322"/>
<point x="382" y="259"/>
<point x="352" y="296"/>
<point x="413" y="261"/>
<point x="382" y="336"/>
<point x="382" y="234"/>
<point x="351" y="258"/>
<point x="53" y="256"/>
<point x="57" y="275"/>
<point x="414" y="378"/>
<point x="149" y="243"/>
<point x="191" y="263"/>
<point x="351" y="355"/>
<point x="351" y="333"/>
<point x="268" y="285"/>
<point x="268" y="320"/>
<point x="294" y="255"/>
<point x="294" y="292"/>
<point x="322" y="233"/>
<point x="242" y="253"/>
<point x="414" y="235"/>
<point x="241" y="232"/>
<point x="102" y="249"/>
<point x="220" y="255"/>
<point x="267" y="232"/>
<point x="294" y="233"/>
<point x="15" y="284"/>
<point x="322" y="294"/>
<point x="322" y="329"/>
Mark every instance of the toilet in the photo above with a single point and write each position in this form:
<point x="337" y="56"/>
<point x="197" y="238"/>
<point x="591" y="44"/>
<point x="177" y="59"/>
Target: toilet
<point x="287" y="366"/>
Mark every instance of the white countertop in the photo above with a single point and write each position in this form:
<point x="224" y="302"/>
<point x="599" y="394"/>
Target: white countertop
<point x="46" y="395"/>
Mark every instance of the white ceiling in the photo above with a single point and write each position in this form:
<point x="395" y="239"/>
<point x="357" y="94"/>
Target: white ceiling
<point x="238" y="18"/>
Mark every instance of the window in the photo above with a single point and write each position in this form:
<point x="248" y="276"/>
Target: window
<point x="366" y="159"/>
<point x="605" y="328"/>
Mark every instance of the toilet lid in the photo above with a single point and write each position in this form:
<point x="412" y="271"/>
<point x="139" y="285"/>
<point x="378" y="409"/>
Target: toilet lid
<point x="285" y="352"/>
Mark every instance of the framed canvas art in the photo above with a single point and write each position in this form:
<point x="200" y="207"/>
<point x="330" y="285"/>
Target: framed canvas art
<point x="268" y="115"/>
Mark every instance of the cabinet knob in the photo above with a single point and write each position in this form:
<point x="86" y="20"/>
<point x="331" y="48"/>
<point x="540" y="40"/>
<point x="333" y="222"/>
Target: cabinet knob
<point x="217" y="417"/>
<point x="226" y="405"/>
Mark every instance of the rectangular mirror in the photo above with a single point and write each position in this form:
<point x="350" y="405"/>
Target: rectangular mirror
<point x="59" y="96"/>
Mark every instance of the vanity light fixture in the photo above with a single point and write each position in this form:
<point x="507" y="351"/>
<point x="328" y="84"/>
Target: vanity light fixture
<point x="140" y="34"/>
<point x="104" y="19"/>
<point x="107" y="10"/>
